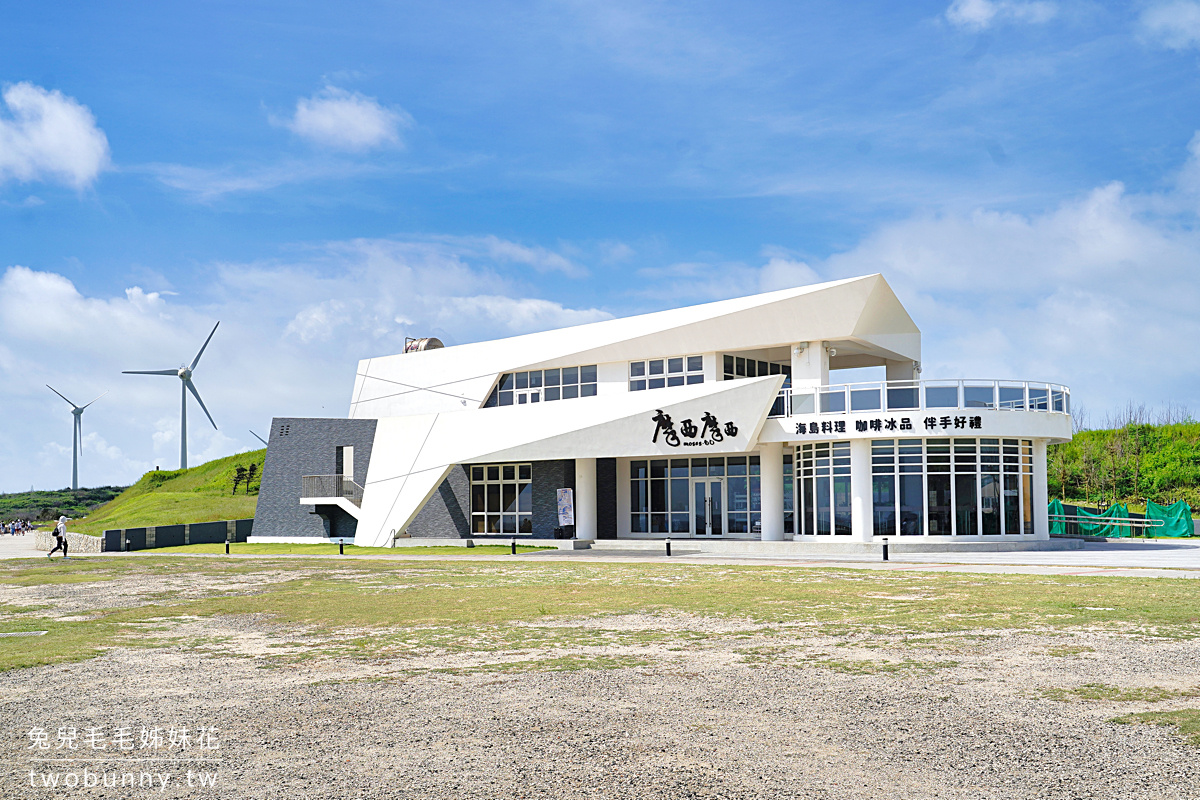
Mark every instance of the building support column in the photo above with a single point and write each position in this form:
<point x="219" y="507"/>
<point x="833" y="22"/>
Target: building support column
<point x="585" y="498"/>
<point x="771" y="490"/>
<point x="861" y="504"/>
<point x="1041" y="519"/>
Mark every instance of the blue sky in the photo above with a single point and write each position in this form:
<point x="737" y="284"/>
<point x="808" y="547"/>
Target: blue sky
<point x="326" y="180"/>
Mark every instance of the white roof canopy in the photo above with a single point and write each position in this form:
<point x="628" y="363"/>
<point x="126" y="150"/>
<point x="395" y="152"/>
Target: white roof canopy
<point x="860" y="316"/>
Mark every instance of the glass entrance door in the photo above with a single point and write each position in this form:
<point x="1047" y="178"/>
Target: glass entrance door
<point x="707" y="507"/>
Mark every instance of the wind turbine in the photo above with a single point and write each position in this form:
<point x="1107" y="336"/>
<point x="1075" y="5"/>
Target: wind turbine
<point x="184" y="373"/>
<point x="77" y="436"/>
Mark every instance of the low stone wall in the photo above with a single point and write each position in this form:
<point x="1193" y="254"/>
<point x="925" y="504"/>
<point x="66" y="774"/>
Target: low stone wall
<point x="234" y="530"/>
<point x="76" y="542"/>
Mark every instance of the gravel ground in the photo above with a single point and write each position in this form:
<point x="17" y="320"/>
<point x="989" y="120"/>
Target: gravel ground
<point x="728" y="710"/>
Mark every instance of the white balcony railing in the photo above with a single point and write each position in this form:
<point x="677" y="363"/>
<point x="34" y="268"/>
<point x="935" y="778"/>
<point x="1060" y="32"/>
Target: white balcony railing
<point x="318" y="486"/>
<point x="921" y="395"/>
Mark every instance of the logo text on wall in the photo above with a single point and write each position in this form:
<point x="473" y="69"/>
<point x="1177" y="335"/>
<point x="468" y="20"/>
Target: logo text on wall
<point x="709" y="432"/>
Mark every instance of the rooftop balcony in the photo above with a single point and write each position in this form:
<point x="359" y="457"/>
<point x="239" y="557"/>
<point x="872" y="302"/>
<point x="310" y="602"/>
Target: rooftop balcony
<point x="924" y="395"/>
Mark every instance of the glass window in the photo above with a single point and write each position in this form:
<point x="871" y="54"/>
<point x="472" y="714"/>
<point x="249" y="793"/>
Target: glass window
<point x="502" y="499"/>
<point x="659" y="373"/>
<point x="939" y="504"/>
<point x="559" y="384"/>
<point x="941" y="397"/>
<point x="979" y="396"/>
<point x="883" y="497"/>
<point x="912" y="510"/>
<point x="966" y="507"/>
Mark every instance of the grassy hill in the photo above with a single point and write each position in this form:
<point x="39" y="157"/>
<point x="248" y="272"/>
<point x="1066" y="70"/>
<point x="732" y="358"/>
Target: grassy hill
<point x="167" y="497"/>
<point x="51" y="504"/>
<point x="1128" y="465"/>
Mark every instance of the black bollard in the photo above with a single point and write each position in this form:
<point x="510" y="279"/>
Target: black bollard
<point x="885" y="553"/>
<point x="514" y="547"/>
<point x="341" y="550"/>
<point x="226" y="547"/>
<point x="668" y="546"/>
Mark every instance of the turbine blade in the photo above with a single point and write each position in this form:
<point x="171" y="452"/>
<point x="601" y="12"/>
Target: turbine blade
<point x="146" y="372"/>
<point x="256" y="436"/>
<point x="202" y="347"/>
<point x="60" y="394"/>
<point x="106" y="392"/>
<point x="192" y="389"/>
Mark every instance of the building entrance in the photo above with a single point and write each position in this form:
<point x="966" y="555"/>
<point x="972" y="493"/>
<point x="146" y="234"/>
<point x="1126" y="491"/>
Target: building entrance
<point x="707" y="506"/>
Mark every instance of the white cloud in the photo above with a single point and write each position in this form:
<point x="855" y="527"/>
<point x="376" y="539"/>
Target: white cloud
<point x="291" y="335"/>
<point x="1098" y="293"/>
<point x="977" y="15"/>
<point x="206" y="184"/>
<point x="1175" y="25"/>
<point x="47" y="136"/>
<point x="539" y="258"/>
<point x="343" y="120"/>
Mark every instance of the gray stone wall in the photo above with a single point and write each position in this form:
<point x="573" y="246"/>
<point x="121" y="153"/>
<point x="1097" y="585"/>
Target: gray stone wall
<point x="447" y="514"/>
<point x="606" y="498"/>
<point x="301" y="446"/>
<point x="548" y="478"/>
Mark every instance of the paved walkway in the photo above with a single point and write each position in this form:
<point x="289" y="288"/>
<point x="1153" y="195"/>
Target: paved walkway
<point x="18" y="546"/>
<point x="1161" y="559"/>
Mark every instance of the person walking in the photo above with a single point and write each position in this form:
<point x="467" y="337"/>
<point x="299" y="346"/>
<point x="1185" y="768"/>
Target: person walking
<point x="60" y="534"/>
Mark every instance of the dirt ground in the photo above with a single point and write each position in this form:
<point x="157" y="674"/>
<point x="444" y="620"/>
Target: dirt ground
<point x="667" y="706"/>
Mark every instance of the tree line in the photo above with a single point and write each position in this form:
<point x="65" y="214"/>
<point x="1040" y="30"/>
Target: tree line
<point x="1138" y="454"/>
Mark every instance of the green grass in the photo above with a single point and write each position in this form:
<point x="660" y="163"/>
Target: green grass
<point x="1117" y="694"/>
<point x="325" y="549"/>
<point x="373" y="609"/>
<point x="1185" y="721"/>
<point x="161" y="497"/>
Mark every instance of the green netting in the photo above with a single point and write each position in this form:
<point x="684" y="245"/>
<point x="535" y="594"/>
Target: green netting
<point x="1058" y="526"/>
<point x="1107" y="528"/>
<point x="1107" y="522"/>
<point x="1177" y="519"/>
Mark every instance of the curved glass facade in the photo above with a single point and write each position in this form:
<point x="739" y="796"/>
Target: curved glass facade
<point x="952" y="487"/>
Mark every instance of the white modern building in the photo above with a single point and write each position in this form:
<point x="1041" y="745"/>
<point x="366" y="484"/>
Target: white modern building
<point x="719" y="421"/>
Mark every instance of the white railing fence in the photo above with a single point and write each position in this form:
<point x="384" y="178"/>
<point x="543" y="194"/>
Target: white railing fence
<point x="919" y="395"/>
<point x="331" y="486"/>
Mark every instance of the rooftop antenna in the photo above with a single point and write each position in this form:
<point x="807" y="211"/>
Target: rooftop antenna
<point x="256" y="436"/>
<point x="76" y="436"/>
<point x="184" y="373"/>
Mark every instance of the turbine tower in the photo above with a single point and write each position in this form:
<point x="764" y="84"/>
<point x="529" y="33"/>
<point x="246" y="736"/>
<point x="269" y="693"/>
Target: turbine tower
<point x="184" y="373"/>
<point x="77" y="436"/>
